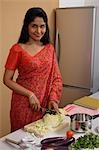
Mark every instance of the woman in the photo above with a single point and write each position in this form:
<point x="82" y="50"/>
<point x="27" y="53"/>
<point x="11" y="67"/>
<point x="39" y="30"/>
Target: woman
<point x="39" y="82"/>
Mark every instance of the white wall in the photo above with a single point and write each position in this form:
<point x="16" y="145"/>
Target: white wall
<point x="69" y="3"/>
<point x="75" y="3"/>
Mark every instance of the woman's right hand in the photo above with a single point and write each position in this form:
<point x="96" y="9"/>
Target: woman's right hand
<point x="34" y="102"/>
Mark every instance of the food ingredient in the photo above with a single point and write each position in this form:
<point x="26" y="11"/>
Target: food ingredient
<point x="48" y="123"/>
<point x="88" y="141"/>
<point x="53" y="120"/>
<point x="49" y="149"/>
<point x="57" y="141"/>
<point x="69" y="133"/>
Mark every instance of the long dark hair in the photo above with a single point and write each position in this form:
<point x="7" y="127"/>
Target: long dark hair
<point x="31" y="14"/>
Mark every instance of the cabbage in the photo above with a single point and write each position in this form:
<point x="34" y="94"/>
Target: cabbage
<point x="53" y="120"/>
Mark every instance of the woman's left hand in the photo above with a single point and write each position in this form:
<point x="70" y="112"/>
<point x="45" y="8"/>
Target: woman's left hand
<point x="53" y="105"/>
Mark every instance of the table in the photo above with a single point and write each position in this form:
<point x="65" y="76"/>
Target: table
<point x="19" y="134"/>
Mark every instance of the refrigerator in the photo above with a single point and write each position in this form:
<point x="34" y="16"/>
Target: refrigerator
<point x="75" y="50"/>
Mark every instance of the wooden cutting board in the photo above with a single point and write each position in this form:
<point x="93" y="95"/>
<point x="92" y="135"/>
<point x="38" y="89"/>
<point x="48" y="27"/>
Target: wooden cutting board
<point x="88" y="102"/>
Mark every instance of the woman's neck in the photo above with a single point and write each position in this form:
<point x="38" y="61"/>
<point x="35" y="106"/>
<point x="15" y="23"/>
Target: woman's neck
<point x="32" y="42"/>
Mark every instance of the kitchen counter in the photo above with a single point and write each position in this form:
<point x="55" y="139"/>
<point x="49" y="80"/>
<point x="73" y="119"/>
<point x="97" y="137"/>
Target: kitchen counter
<point x="19" y="134"/>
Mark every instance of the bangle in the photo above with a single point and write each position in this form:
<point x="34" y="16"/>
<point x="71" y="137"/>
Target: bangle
<point x="32" y="95"/>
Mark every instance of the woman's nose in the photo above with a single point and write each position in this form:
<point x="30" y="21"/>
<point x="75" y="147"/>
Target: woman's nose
<point x="38" y="29"/>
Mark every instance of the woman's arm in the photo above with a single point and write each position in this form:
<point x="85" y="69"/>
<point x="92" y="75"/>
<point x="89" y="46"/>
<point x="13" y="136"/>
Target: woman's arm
<point x="8" y="81"/>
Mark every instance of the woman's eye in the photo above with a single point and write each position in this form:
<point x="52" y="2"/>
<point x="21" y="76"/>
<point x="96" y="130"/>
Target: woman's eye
<point x="34" y="26"/>
<point x="43" y="26"/>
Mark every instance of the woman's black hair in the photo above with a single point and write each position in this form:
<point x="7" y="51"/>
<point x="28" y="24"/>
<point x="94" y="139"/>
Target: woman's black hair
<point x="31" y="14"/>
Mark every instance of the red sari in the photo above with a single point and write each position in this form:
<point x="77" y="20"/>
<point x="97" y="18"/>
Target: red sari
<point x="39" y="74"/>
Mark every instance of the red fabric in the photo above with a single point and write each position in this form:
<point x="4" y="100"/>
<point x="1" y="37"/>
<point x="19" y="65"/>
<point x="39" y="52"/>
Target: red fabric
<point x="38" y="73"/>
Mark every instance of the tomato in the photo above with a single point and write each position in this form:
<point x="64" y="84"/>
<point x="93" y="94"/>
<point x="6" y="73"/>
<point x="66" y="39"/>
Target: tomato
<point x="69" y="133"/>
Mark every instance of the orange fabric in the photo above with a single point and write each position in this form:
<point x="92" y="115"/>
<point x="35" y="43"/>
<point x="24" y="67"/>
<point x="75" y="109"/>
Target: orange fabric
<point x="38" y="73"/>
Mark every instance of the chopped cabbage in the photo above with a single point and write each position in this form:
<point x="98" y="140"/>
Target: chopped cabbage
<point x="48" y="122"/>
<point x="53" y="120"/>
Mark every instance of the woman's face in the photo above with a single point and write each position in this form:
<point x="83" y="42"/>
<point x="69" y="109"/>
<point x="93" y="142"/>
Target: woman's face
<point x="37" y="29"/>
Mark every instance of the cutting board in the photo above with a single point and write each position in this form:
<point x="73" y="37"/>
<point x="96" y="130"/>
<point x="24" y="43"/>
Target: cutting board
<point x="74" y="109"/>
<point x="88" y="102"/>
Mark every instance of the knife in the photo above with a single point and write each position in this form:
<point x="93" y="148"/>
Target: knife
<point x="49" y="111"/>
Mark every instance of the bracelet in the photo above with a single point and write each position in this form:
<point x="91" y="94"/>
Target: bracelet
<point x="32" y="95"/>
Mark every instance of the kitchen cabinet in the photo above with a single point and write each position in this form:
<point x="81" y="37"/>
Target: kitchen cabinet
<point x="77" y="50"/>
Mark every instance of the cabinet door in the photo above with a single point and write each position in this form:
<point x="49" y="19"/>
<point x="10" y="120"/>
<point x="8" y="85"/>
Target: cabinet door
<point x="75" y="28"/>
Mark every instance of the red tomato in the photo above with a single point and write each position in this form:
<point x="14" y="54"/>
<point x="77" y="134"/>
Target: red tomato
<point x="69" y="133"/>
